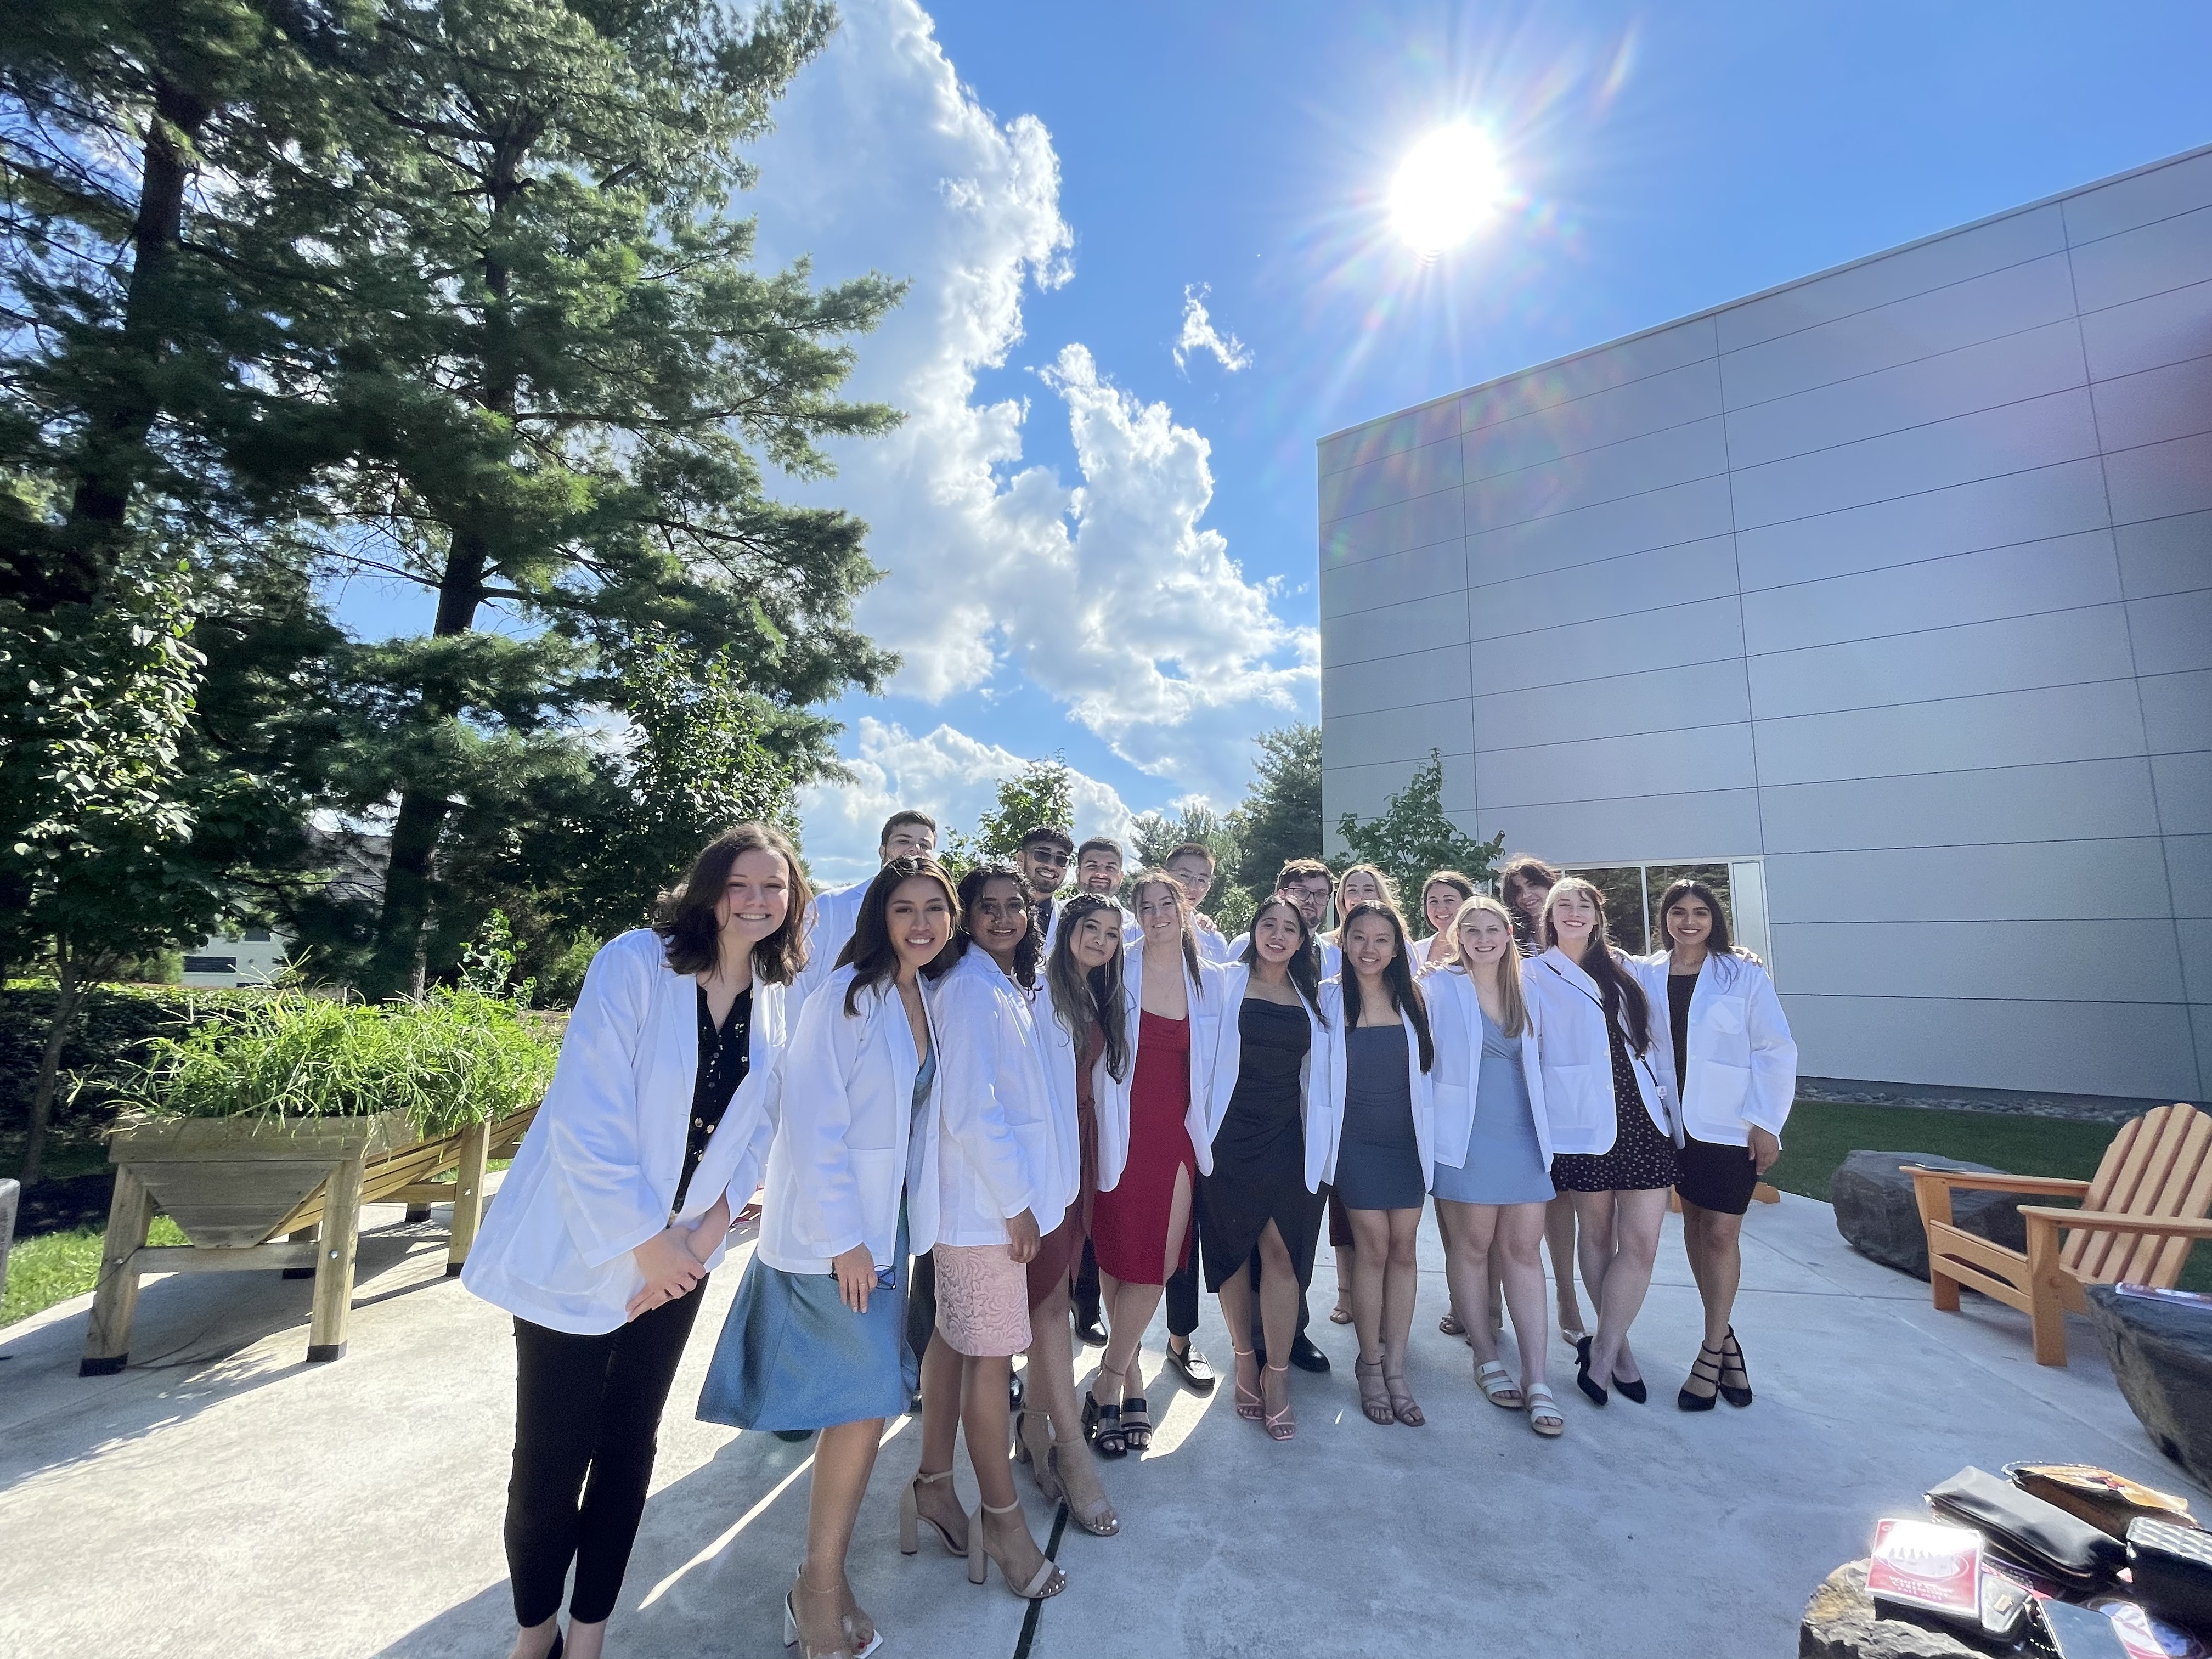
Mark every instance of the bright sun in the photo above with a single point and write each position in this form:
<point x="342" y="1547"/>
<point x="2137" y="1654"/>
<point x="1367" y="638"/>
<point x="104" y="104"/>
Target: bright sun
<point x="1449" y="183"/>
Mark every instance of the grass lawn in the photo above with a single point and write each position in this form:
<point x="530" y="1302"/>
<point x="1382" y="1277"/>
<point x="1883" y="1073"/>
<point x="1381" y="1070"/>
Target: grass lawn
<point x="56" y="1266"/>
<point x="1821" y="1135"/>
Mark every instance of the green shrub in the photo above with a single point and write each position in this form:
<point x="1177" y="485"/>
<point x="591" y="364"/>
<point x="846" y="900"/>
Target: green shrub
<point x="457" y="1057"/>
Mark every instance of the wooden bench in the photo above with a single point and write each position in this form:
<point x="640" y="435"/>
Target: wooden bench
<point x="346" y="1163"/>
<point x="2140" y="1213"/>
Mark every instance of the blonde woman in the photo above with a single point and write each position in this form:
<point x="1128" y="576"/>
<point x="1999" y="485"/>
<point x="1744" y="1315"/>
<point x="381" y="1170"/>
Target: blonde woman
<point x="1613" y="1134"/>
<point x="1493" y="1150"/>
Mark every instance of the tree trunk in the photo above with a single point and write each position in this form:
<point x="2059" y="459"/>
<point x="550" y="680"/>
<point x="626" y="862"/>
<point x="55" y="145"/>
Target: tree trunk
<point x="69" y="997"/>
<point x="115" y="455"/>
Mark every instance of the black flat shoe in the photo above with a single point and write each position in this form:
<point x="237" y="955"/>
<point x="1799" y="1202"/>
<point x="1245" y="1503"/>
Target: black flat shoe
<point x="1701" y="1402"/>
<point x="1595" y="1391"/>
<point x="1732" y="1360"/>
<point x="1192" y="1367"/>
<point x="1308" y="1357"/>
<point x="796" y="1437"/>
<point x="1631" y="1390"/>
<point x="1088" y="1331"/>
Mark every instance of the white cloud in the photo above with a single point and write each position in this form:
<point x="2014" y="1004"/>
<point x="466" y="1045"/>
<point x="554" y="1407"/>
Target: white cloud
<point x="1199" y="335"/>
<point x="1105" y="594"/>
<point x="945" y="773"/>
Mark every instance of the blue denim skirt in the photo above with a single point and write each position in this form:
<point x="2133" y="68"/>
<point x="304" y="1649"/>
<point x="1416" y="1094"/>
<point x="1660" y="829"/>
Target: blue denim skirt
<point x="792" y="1355"/>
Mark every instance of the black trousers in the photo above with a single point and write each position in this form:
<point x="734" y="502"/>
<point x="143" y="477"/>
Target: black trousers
<point x="587" y="1425"/>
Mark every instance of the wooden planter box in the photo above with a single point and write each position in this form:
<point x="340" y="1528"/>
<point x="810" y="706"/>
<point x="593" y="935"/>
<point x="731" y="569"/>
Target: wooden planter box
<point x="233" y="1185"/>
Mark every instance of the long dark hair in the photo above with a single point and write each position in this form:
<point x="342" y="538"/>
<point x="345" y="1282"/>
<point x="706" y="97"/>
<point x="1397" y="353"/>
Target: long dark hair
<point x="971" y="888"/>
<point x="1145" y="878"/>
<point x="1718" y="942"/>
<point x="684" y="915"/>
<point x="873" y="957"/>
<point x="1397" y="978"/>
<point x="1602" y="965"/>
<point x="1081" y="996"/>
<point x="1305" y="965"/>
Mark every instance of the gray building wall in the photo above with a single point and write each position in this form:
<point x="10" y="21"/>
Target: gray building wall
<point x="1898" y="577"/>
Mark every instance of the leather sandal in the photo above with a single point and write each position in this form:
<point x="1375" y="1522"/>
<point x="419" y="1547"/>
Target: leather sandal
<point x="1282" y="1425"/>
<point x="1374" y="1394"/>
<point x="1544" y="1414"/>
<point x="1048" y="1580"/>
<point x="1249" y="1402"/>
<point x="1497" y="1385"/>
<point x="1402" y="1404"/>
<point x="912" y="1520"/>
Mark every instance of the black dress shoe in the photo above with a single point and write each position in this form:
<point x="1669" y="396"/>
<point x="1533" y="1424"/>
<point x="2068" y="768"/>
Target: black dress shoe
<point x="1306" y="1357"/>
<point x="1192" y="1367"/>
<point x="1632" y="1391"/>
<point x="1088" y="1331"/>
<point x="795" y="1435"/>
<point x="1593" y="1390"/>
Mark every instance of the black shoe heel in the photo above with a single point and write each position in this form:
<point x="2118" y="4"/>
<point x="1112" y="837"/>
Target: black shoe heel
<point x="1732" y="1354"/>
<point x="1595" y="1391"/>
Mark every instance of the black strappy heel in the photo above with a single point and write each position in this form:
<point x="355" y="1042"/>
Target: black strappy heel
<point x="1702" y="1402"/>
<point x="1732" y="1357"/>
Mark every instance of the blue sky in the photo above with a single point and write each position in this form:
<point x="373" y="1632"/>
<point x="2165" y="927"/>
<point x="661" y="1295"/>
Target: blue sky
<point x="1097" y="549"/>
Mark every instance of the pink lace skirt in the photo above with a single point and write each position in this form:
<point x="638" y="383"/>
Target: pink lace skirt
<point x="982" y="1300"/>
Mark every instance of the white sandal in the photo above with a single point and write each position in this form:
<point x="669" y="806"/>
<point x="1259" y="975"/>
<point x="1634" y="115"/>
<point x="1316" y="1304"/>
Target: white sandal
<point x="1497" y="1385"/>
<point x="1544" y="1414"/>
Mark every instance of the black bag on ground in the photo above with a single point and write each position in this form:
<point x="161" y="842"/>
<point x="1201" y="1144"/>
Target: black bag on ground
<point x="2038" y="1535"/>
<point x="2172" y="1567"/>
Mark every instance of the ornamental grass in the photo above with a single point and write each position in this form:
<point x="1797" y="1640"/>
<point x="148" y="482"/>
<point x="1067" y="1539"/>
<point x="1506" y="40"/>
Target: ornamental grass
<point x="458" y="1056"/>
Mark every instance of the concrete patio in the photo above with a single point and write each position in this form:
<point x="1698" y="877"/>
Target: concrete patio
<point x="221" y="1497"/>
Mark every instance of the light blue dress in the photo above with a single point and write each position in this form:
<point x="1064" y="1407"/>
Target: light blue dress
<point x="793" y="1356"/>
<point x="1505" y="1164"/>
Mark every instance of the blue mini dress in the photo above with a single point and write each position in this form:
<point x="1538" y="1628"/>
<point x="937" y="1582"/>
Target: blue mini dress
<point x="1503" y="1165"/>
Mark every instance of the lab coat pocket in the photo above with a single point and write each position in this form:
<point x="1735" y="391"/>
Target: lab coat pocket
<point x="1714" y="1110"/>
<point x="878" y="1177"/>
<point x="1725" y="1016"/>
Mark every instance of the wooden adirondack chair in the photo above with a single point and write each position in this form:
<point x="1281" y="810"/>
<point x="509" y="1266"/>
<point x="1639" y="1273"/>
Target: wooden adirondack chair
<point x="2139" y="1216"/>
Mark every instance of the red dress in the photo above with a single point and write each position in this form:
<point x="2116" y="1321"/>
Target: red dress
<point x="1129" y="1224"/>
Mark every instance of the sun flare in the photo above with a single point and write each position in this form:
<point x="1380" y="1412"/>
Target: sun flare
<point x="1449" y="184"/>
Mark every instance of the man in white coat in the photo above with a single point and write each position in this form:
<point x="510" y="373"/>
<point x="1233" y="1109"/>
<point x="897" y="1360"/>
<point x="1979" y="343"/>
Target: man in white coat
<point x="906" y="834"/>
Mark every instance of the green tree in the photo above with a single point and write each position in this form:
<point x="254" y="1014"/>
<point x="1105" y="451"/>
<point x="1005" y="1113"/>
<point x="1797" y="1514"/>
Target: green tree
<point x="1155" y="835"/>
<point x="1411" y="837"/>
<point x="1280" y="816"/>
<point x="560" y="379"/>
<point x="95" y="859"/>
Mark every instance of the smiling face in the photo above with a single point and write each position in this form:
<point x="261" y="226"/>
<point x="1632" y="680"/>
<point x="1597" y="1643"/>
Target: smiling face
<point x="1358" y="887"/>
<point x="1310" y="894"/>
<point x="1575" y="916"/>
<point x="1099" y="872"/>
<point x="756" y="897"/>
<point x="1043" y="865"/>
<point x="1193" y="874"/>
<point x="1527" y="896"/>
<point x="1369" y="944"/>
<point x="1440" y="903"/>
<point x="1159" y="913"/>
<point x="998" y="919"/>
<point x="920" y="917"/>
<point x="908" y="840"/>
<point x="1485" y="939"/>
<point x="1276" y="933"/>
<point x="1096" y="940"/>
<point x="1689" y="922"/>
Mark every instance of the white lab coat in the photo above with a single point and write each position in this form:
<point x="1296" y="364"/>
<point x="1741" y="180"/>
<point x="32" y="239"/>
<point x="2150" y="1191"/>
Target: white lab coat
<point x="848" y="1143"/>
<point x="996" y="1150"/>
<point x="830" y="927"/>
<point x="597" y="1174"/>
<point x="1228" y="1057"/>
<point x="1205" y="998"/>
<point x="1423" y="1087"/>
<point x="1455" y="1022"/>
<point x="1577" y="1062"/>
<point x="1742" y="1063"/>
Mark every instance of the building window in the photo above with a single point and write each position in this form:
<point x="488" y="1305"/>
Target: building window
<point x="1631" y="898"/>
<point x="211" y="964"/>
<point x="255" y="935"/>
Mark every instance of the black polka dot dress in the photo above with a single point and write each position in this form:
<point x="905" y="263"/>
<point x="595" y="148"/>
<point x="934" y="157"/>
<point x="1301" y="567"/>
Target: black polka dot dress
<point x="1641" y="1158"/>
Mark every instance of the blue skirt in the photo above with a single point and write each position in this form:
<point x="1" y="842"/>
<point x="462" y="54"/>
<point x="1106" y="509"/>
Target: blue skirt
<point x="792" y="1355"/>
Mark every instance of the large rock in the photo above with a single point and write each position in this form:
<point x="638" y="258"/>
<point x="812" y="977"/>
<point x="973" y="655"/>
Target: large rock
<point x="1840" y="1623"/>
<point x="2161" y="1357"/>
<point x="1875" y="1214"/>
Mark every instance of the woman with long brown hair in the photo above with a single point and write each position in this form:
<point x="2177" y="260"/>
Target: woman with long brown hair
<point x="1381" y="1150"/>
<point x="1442" y="894"/>
<point x="1613" y="1134"/>
<point x="1262" y="1196"/>
<point x="1003" y="1182"/>
<point x="1087" y="1059"/>
<point x="816" y="1338"/>
<point x="617" y="1209"/>
<point x="1148" y="1159"/>
<point x="1523" y="882"/>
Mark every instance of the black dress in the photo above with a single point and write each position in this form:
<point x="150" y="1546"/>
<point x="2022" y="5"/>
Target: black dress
<point x="1641" y="1158"/>
<point x="1259" y="1156"/>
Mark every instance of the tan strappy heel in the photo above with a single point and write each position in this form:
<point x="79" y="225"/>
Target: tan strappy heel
<point x="911" y="1519"/>
<point x="1049" y="1580"/>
